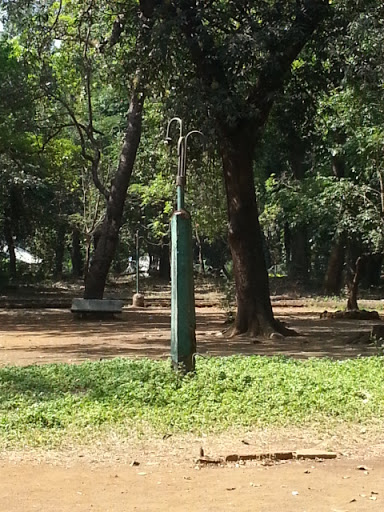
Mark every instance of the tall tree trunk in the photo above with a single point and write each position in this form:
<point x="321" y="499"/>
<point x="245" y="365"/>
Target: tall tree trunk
<point x="334" y="275"/>
<point x="151" y="261"/>
<point x="200" y="251"/>
<point x="87" y="255"/>
<point x="76" y="255"/>
<point x="59" y="251"/>
<point x="372" y="270"/>
<point x="299" y="265"/>
<point x="118" y="261"/>
<point x="237" y="142"/>
<point x="353" y="285"/>
<point x="254" y="310"/>
<point x="165" y="262"/>
<point x="8" y="235"/>
<point x="287" y="244"/>
<point x="109" y="231"/>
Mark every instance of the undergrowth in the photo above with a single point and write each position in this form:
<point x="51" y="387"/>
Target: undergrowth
<point x="41" y="405"/>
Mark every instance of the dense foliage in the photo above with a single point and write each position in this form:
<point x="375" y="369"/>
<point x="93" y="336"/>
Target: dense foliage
<point x="52" y="403"/>
<point x="67" y="70"/>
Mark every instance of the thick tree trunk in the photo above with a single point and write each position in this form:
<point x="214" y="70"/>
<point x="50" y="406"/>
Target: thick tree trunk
<point x="76" y="255"/>
<point x="200" y="252"/>
<point x="165" y="262"/>
<point x="254" y="310"/>
<point x="372" y="270"/>
<point x="8" y="235"/>
<point x="298" y="267"/>
<point x="287" y="244"/>
<point x="109" y="231"/>
<point x="87" y="255"/>
<point x="338" y="166"/>
<point x="118" y="260"/>
<point x="334" y="276"/>
<point x="59" y="251"/>
<point x="237" y="143"/>
<point x="353" y="286"/>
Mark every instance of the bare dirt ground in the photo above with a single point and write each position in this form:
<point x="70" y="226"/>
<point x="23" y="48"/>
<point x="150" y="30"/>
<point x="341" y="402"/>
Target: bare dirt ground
<point x="166" y="478"/>
<point x="152" y="474"/>
<point x="293" y="487"/>
<point x="29" y="336"/>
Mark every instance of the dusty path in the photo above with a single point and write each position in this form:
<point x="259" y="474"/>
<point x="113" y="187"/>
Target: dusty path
<point x="30" y="336"/>
<point x="170" y="482"/>
<point x="329" y="486"/>
<point x="165" y="478"/>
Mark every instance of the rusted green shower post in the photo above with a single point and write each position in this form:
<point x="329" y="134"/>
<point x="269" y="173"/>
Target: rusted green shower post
<point x="183" y="319"/>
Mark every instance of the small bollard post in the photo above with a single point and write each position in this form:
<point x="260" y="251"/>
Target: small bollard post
<point x="138" y="298"/>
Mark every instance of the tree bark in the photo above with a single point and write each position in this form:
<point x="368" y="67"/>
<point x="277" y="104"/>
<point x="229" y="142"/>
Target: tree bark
<point x="334" y="275"/>
<point x="238" y="138"/>
<point x="298" y="267"/>
<point x="254" y="310"/>
<point x="76" y="255"/>
<point x="353" y="286"/>
<point x="109" y="230"/>
<point x="372" y="270"/>
<point x="59" y="251"/>
<point x="287" y="244"/>
<point x="200" y="252"/>
<point x="165" y="263"/>
<point x="8" y="235"/>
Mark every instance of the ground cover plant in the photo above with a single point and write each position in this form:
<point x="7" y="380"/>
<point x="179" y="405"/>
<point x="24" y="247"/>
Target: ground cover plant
<point x="45" y="405"/>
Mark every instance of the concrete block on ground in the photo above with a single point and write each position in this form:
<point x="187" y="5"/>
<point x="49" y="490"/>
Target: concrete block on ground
<point x="314" y="454"/>
<point x="138" y="300"/>
<point x="209" y="460"/>
<point x="84" y="306"/>
<point x="278" y="455"/>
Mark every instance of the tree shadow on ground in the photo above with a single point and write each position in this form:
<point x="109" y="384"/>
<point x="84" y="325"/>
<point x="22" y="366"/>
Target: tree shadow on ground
<point x="41" y="336"/>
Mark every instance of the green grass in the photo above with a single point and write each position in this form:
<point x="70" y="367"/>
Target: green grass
<point x="42" y="405"/>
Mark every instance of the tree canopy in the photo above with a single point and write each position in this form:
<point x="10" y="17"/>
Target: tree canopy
<point x="287" y="93"/>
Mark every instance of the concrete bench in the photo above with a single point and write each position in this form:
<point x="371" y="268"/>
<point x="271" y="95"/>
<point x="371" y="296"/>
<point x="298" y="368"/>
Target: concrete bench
<point x="96" y="308"/>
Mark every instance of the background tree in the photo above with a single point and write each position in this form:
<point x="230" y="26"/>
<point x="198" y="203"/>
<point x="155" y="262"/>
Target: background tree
<point x="341" y="92"/>
<point x="241" y="56"/>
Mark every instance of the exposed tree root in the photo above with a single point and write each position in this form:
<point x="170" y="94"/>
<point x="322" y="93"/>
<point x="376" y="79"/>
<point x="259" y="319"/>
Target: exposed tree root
<point x="354" y="314"/>
<point x="284" y="330"/>
<point x="255" y="331"/>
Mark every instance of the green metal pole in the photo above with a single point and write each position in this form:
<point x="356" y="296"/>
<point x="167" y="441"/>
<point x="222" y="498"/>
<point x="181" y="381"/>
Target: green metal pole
<point x="183" y="320"/>
<point x="180" y="197"/>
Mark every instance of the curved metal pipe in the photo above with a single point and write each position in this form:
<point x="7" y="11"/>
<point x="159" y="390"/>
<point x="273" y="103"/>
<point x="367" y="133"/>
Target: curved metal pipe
<point x="177" y="120"/>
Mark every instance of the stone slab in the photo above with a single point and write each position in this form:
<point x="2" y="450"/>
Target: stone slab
<point x="314" y="454"/>
<point x="278" y="455"/>
<point x="209" y="460"/>
<point x="96" y="306"/>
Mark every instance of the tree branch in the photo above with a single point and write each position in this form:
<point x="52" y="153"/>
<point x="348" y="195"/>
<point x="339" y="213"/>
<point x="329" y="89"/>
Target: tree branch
<point x="114" y="38"/>
<point x="309" y="15"/>
<point x="93" y="159"/>
<point x="55" y="134"/>
<point x="282" y="52"/>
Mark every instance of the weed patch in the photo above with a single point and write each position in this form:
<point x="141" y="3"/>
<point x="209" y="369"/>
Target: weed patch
<point x="41" y="405"/>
